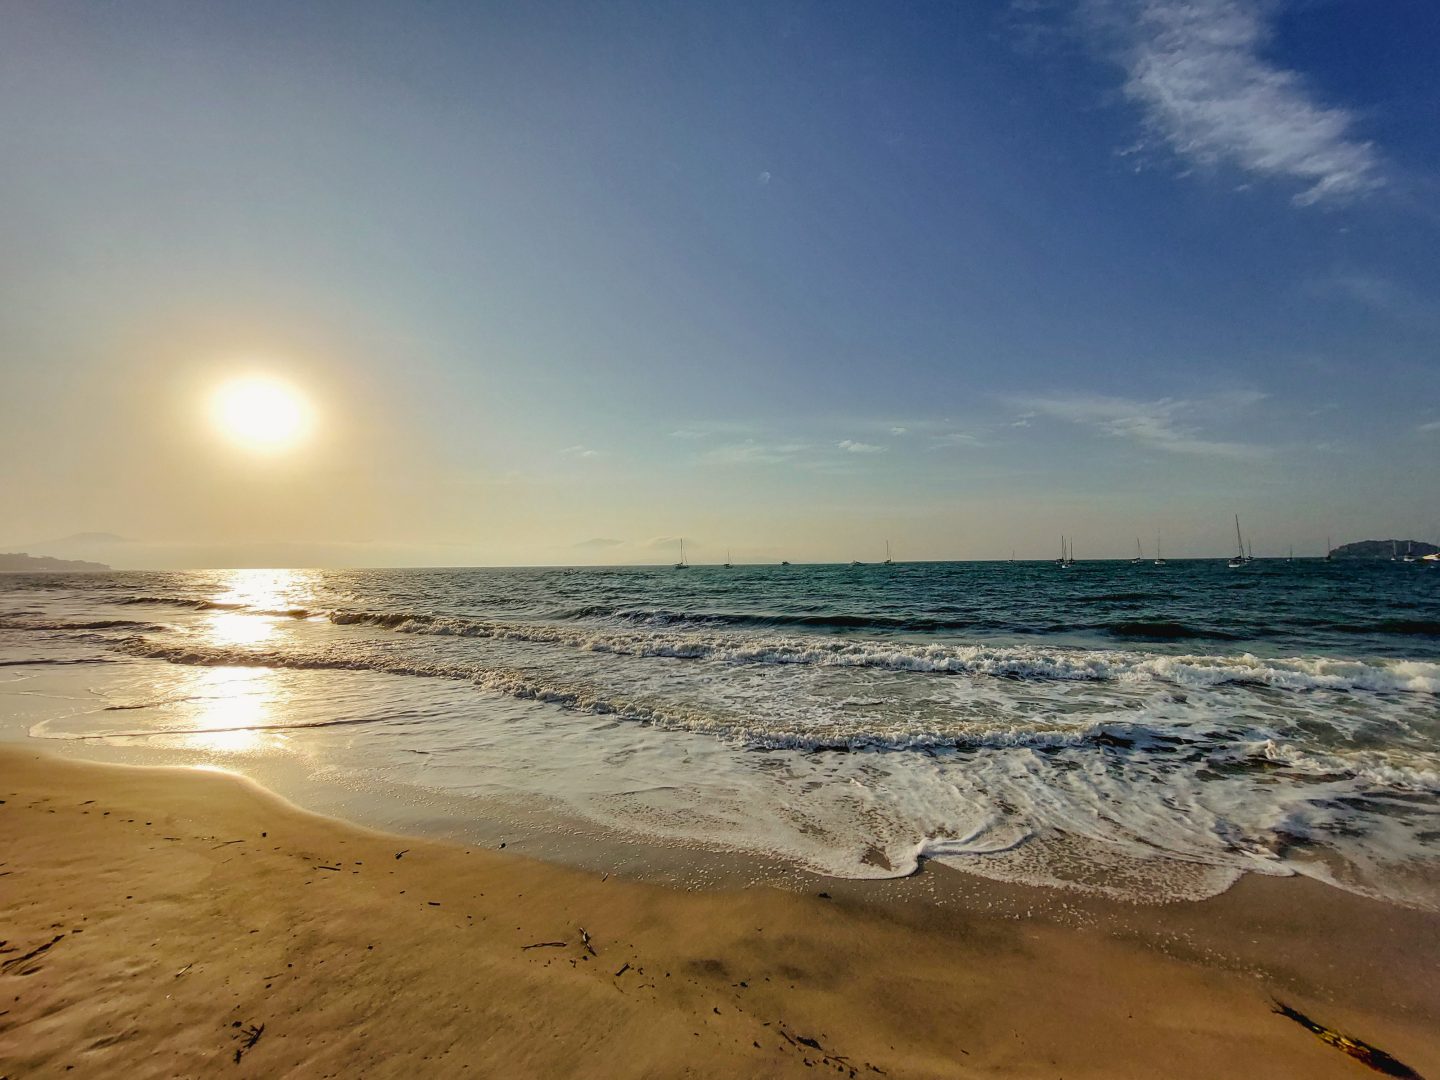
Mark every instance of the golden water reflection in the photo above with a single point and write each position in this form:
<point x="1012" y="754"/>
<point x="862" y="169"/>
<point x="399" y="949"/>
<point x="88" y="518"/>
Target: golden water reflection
<point x="277" y="591"/>
<point x="253" y="605"/>
<point x="228" y="705"/>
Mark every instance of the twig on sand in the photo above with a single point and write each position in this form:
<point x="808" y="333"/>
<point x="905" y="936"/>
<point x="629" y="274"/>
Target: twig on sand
<point x="1362" y="1052"/>
<point x="16" y="961"/>
<point x="326" y="868"/>
<point x="249" y="1037"/>
<point x="585" y="940"/>
<point x="623" y="968"/>
<point x="545" y="945"/>
<point x="226" y="843"/>
<point x="402" y="852"/>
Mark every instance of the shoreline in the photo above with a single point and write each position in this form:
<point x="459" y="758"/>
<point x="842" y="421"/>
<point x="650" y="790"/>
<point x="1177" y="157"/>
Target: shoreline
<point x="189" y="908"/>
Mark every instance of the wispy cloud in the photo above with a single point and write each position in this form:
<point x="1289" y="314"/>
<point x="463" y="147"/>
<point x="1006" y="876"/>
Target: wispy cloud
<point x="1168" y="424"/>
<point x="1428" y="426"/>
<point x="899" y="431"/>
<point x="752" y="452"/>
<point x="579" y="451"/>
<point x="598" y="542"/>
<point x="953" y="439"/>
<point x="854" y="446"/>
<point x="1197" y="70"/>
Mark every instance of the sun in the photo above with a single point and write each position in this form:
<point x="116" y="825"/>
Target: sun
<point x="261" y="413"/>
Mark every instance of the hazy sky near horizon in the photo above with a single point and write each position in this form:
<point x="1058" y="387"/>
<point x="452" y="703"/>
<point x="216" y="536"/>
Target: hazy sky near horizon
<point x="566" y="281"/>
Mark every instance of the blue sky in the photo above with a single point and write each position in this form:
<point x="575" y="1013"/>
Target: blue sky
<point x="566" y="281"/>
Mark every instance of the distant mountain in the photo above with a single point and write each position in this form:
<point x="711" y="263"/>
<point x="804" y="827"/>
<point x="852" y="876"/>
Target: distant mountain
<point x="20" y="563"/>
<point x="1383" y="549"/>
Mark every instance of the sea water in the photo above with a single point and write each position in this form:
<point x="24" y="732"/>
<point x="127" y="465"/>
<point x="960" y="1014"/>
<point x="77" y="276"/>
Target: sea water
<point x="1144" y="731"/>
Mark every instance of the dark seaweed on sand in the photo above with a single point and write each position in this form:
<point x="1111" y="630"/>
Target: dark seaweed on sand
<point x="1363" y="1052"/>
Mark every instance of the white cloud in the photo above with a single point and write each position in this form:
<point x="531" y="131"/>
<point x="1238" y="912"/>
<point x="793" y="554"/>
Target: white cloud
<point x="1167" y="424"/>
<point x="580" y="452"/>
<point x="898" y="431"/>
<point x="953" y="439"/>
<point x="852" y="446"/>
<point x="763" y="179"/>
<point x="1429" y="426"/>
<point x="599" y="542"/>
<point x="1196" y="69"/>
<point x="751" y="452"/>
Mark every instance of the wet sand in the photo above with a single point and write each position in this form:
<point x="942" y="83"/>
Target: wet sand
<point x="173" y="922"/>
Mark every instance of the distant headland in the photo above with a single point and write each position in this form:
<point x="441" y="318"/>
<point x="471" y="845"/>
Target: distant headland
<point x="20" y="563"/>
<point x="1384" y="549"/>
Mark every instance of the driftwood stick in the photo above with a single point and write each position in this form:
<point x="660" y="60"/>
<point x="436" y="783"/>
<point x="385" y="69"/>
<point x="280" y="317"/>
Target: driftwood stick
<point x="545" y="945"/>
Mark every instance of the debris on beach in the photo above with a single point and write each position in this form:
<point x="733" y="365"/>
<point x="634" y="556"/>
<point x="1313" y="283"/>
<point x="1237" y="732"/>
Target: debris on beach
<point x="1363" y="1052"/>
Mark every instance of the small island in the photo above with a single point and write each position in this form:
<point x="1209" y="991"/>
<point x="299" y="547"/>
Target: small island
<point x="21" y="563"/>
<point x="1384" y="549"/>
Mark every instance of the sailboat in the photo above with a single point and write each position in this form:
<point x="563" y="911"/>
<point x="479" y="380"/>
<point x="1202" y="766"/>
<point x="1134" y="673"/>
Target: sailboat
<point x="1394" y="550"/>
<point x="1249" y="551"/>
<point x="1409" y="555"/>
<point x="728" y="564"/>
<point x="682" y="564"/>
<point x="1291" y="556"/>
<point x="1238" y="559"/>
<point x="1159" y="559"/>
<point x="888" y="560"/>
<point x="1067" y="554"/>
<point x="1329" y="551"/>
<point x="1139" y="555"/>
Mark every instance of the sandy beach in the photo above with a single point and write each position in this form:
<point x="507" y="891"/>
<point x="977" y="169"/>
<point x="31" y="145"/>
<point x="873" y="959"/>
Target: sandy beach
<point x="172" y="922"/>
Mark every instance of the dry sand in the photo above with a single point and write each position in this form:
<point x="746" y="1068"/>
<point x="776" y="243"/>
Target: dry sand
<point x="169" y="922"/>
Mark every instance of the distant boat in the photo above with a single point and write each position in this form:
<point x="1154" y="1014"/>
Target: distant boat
<point x="856" y="562"/>
<point x="1291" y="556"/>
<point x="682" y="564"/>
<point x="1394" y="550"/>
<point x="1329" y="551"/>
<point x="1238" y="559"/>
<point x="1409" y="555"/>
<point x="1067" y="554"/>
<point x="1159" y="559"/>
<point x="888" y="560"/>
<point x="784" y="562"/>
<point x="1139" y="555"/>
<point x="728" y="564"/>
<point x="1249" y="552"/>
<point x="1012" y="554"/>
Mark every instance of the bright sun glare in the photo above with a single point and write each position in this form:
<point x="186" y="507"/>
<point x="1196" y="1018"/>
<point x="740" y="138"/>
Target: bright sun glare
<point x="261" y="413"/>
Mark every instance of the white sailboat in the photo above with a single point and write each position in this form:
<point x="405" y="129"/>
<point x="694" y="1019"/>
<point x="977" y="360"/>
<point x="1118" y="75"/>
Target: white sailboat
<point x="1238" y="559"/>
<point x="1329" y="551"/>
<point x="1139" y="555"/>
<point x="728" y="564"/>
<point x="1159" y="559"/>
<point x="682" y="564"/>
<point x="1409" y="555"/>
<point x="888" y="560"/>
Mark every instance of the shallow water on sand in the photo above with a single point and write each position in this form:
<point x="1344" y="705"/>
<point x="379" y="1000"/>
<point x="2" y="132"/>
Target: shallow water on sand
<point x="1143" y="731"/>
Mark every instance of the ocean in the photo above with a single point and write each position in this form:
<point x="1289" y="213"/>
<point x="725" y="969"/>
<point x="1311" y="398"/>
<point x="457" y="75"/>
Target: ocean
<point x="1141" y="731"/>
